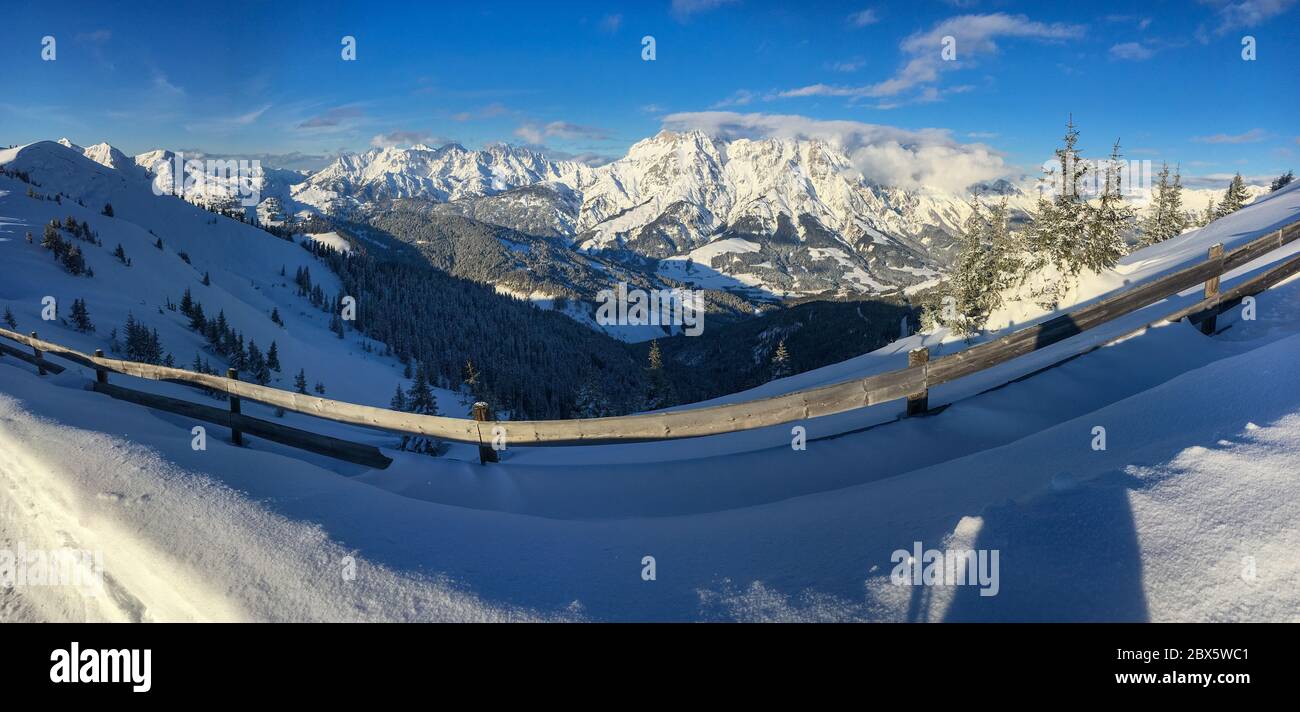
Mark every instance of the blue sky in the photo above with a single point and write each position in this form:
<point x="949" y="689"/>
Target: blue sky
<point x="1166" y="76"/>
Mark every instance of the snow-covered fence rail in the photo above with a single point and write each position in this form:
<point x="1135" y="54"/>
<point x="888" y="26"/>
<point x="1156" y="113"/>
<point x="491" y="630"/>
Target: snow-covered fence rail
<point x="908" y="383"/>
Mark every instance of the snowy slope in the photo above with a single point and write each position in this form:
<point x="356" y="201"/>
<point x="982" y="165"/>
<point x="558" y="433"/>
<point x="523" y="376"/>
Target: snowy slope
<point x="244" y="265"/>
<point x="1199" y="474"/>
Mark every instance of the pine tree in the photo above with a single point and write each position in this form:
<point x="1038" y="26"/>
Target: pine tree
<point x="1165" y="217"/>
<point x="275" y="317"/>
<point x="659" y="392"/>
<point x="590" y="401"/>
<point x="1109" y="222"/>
<point x="1178" y="222"/>
<point x="187" y="304"/>
<point x="10" y="321"/>
<point x="1234" y="198"/>
<point x="1060" y="228"/>
<point x="1207" y="217"/>
<point x="198" y="321"/>
<point x="120" y="254"/>
<point x="73" y="261"/>
<point x="257" y="364"/>
<point x="421" y="401"/>
<point x="81" y="316"/>
<point x="300" y="381"/>
<point x="988" y="262"/>
<point x="273" y="358"/>
<point x="780" y="361"/>
<point x="1281" y="181"/>
<point x="398" y="402"/>
<point x="108" y="209"/>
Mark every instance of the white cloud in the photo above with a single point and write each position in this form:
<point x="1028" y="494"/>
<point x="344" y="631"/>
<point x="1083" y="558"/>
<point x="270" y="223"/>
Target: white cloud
<point x="407" y="138"/>
<point x="1131" y="50"/>
<point x="975" y="36"/>
<point x="536" y="134"/>
<point x="862" y="18"/>
<point x="1251" y="136"/>
<point x="164" y="85"/>
<point x="1241" y="15"/>
<point x="683" y="9"/>
<point x="848" y="65"/>
<point x="611" y="23"/>
<point x="739" y="97"/>
<point x="883" y="154"/>
<point x="487" y="112"/>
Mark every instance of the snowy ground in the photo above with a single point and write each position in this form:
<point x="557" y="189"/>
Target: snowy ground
<point x="1190" y="513"/>
<point x="1199" y="474"/>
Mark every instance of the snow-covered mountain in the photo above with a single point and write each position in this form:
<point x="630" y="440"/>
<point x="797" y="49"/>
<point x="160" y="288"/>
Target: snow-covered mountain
<point x="770" y="218"/>
<point x="451" y="172"/>
<point x="270" y="186"/>
<point x="790" y="217"/>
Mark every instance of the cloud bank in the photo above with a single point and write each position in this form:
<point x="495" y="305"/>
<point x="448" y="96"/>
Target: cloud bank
<point x="886" y="155"/>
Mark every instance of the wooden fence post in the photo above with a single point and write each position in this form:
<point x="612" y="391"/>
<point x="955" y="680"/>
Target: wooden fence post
<point x="101" y="375"/>
<point x="918" y="403"/>
<point x="485" y="453"/>
<point x="37" y="352"/>
<point x="236" y="435"/>
<point x="1210" y="324"/>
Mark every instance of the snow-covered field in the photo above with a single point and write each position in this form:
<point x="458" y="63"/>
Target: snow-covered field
<point x="1189" y="513"/>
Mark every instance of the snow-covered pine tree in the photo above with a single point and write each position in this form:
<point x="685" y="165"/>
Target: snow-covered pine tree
<point x="421" y="401"/>
<point x="1109" y="221"/>
<point x="1206" y="217"/>
<point x="1159" y="223"/>
<point x="988" y="262"/>
<point x="1178" y="222"/>
<point x="1060" y="226"/>
<point x="1234" y="198"/>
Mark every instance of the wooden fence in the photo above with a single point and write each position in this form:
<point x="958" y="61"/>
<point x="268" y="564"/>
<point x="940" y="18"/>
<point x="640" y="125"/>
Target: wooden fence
<point x="911" y="383"/>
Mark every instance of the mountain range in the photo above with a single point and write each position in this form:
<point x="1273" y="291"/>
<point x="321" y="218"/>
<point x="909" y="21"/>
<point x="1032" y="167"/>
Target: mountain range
<point x="767" y="220"/>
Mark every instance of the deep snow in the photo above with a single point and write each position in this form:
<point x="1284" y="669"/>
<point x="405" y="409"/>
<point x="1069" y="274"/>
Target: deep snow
<point x="1198" y="475"/>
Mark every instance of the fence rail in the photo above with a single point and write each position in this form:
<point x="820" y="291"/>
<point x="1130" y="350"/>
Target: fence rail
<point x="910" y="383"/>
